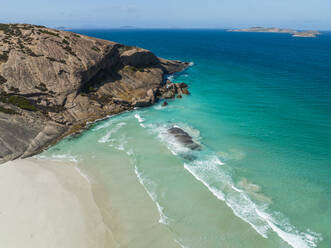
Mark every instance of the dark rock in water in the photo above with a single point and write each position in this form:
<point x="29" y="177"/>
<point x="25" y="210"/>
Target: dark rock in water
<point x="179" y="96"/>
<point x="164" y="104"/>
<point x="181" y="85"/>
<point x="185" y="91"/>
<point x="184" y="138"/>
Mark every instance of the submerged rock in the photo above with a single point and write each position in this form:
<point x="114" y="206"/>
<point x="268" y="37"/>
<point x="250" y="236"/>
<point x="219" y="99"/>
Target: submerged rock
<point x="184" y="138"/>
<point x="52" y="82"/>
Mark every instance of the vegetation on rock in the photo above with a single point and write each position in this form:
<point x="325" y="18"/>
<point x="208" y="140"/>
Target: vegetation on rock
<point x="18" y="101"/>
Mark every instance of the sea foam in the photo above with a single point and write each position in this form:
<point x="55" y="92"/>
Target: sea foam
<point x="106" y="138"/>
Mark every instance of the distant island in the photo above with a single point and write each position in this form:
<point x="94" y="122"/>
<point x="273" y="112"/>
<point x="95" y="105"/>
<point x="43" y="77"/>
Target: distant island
<point x="128" y="27"/>
<point x="294" y="33"/>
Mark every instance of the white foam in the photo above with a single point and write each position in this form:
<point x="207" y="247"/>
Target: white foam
<point x="83" y="174"/>
<point x="158" y="107"/>
<point x="59" y="157"/>
<point x="180" y="243"/>
<point x="108" y="135"/>
<point x="171" y="78"/>
<point x="203" y="170"/>
<point x="191" y="63"/>
<point x="163" y="218"/>
<point x="109" y="120"/>
<point x="139" y="118"/>
<point x="208" y="172"/>
<point x="296" y="239"/>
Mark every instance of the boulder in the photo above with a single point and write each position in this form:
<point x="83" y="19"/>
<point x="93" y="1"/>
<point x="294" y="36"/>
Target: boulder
<point x="139" y="58"/>
<point x="181" y="85"/>
<point x="168" y="94"/>
<point x="185" y="91"/>
<point x="184" y="138"/>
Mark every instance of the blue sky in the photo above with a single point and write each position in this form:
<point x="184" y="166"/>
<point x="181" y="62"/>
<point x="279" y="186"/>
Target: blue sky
<point x="304" y="14"/>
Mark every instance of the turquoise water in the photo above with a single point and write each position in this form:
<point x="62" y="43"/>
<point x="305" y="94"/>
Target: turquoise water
<point x="261" y="109"/>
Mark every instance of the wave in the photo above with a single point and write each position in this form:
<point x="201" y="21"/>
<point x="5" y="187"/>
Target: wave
<point x="84" y="175"/>
<point x="59" y="157"/>
<point x="216" y="176"/>
<point x="108" y="121"/>
<point x="147" y="184"/>
<point x="140" y="119"/>
<point x="180" y="244"/>
<point x="108" y="135"/>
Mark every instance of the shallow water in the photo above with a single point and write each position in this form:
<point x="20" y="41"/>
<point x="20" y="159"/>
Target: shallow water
<point x="260" y="108"/>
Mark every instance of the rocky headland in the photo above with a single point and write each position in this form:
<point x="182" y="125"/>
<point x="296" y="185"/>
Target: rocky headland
<point x="294" y="33"/>
<point x="52" y="83"/>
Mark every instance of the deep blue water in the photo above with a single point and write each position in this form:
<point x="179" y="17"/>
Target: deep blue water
<point x="261" y="103"/>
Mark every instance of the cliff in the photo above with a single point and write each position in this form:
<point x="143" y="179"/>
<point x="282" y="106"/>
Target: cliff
<point x="53" y="82"/>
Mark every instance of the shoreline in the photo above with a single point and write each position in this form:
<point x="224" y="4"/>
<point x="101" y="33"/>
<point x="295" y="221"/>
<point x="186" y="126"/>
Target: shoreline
<point x="49" y="204"/>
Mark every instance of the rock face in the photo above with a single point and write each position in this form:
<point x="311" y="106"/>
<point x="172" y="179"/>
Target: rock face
<point x="53" y="82"/>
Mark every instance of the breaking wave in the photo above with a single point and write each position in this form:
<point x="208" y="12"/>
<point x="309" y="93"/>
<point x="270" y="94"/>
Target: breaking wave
<point x="207" y="167"/>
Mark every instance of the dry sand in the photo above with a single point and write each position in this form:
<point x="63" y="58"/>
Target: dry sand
<point x="49" y="204"/>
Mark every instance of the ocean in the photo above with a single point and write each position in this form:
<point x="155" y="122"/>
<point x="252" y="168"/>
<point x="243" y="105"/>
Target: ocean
<point x="260" y="107"/>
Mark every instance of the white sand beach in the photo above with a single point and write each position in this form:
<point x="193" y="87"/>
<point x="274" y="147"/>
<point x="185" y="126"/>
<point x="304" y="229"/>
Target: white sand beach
<point x="48" y="204"/>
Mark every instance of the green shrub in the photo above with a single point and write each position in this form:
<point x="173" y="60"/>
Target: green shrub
<point x="56" y="60"/>
<point x="51" y="59"/>
<point x="95" y="49"/>
<point x="48" y="32"/>
<point x="64" y="41"/>
<point x="69" y="50"/>
<point x="4" y="57"/>
<point x="10" y="29"/>
<point x="21" y="102"/>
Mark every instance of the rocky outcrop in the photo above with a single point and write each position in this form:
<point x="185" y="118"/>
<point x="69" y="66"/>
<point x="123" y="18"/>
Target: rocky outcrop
<point x="53" y="82"/>
<point x="184" y="138"/>
<point x="170" y="90"/>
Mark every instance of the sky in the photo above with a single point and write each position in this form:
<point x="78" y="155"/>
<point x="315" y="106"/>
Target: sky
<point x="299" y="14"/>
